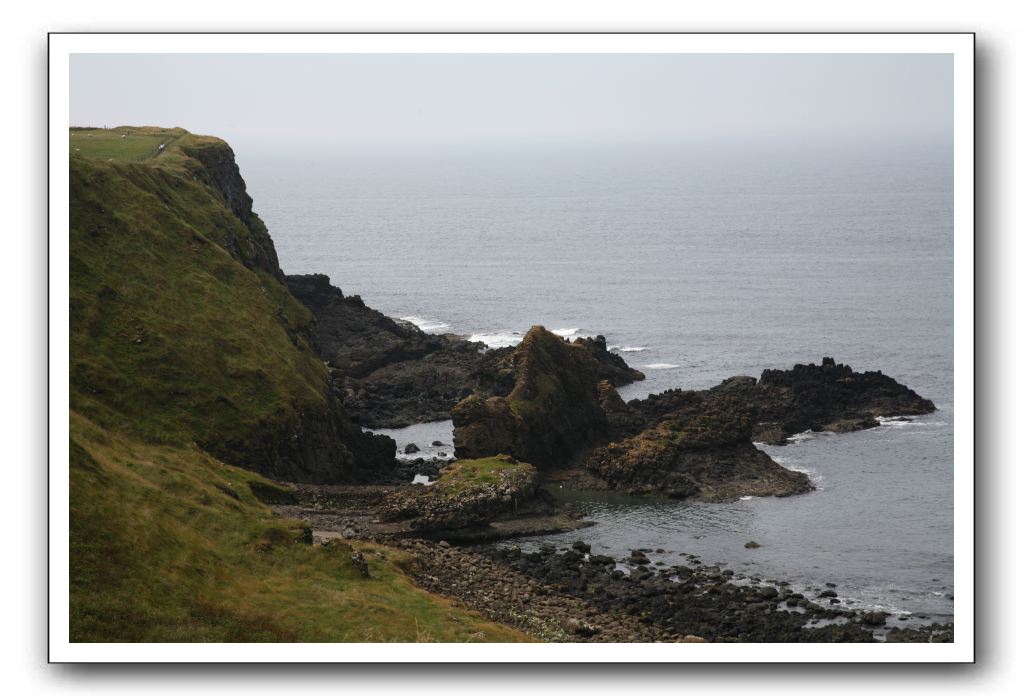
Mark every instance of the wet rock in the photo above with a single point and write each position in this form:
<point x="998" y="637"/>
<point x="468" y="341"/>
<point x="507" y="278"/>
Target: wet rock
<point x="581" y="546"/>
<point x="751" y="545"/>
<point x="875" y="618"/>
<point x="411" y="448"/>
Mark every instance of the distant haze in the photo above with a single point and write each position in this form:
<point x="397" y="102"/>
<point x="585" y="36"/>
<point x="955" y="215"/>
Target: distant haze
<point x="478" y="99"/>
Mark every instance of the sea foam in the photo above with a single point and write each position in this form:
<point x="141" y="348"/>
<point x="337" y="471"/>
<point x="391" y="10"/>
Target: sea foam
<point x="427" y="325"/>
<point x="498" y="339"/>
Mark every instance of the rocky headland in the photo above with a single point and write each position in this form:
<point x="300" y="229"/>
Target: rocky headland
<point x="193" y="381"/>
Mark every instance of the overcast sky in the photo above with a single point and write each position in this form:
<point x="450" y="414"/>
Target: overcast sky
<point x="507" y="99"/>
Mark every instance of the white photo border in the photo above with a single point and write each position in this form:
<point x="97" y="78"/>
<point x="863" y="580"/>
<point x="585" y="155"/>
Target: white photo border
<point x="63" y="45"/>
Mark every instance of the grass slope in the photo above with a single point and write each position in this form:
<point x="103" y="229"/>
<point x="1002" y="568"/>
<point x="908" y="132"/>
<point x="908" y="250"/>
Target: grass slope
<point x="172" y="338"/>
<point x="174" y="342"/>
<point x="170" y="545"/>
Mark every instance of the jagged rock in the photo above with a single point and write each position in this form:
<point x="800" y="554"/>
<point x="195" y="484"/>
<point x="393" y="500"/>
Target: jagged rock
<point x="552" y="413"/>
<point x="392" y="374"/>
<point x="700" y="446"/>
<point x="622" y="419"/>
<point x="610" y="366"/>
<point x="411" y="448"/>
<point x="828" y="396"/>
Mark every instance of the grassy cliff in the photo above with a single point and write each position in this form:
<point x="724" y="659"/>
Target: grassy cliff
<point x="191" y="374"/>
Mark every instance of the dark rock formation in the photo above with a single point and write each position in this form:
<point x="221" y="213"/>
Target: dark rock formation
<point x="700" y="447"/>
<point x="552" y="414"/>
<point x="610" y="366"/>
<point x="828" y="396"/>
<point x="393" y="374"/>
<point x="831" y="396"/>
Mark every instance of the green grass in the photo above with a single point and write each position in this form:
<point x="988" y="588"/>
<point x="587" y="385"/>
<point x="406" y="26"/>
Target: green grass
<point x="465" y="474"/>
<point x="172" y="338"/>
<point x="169" y="544"/>
<point x="124" y="143"/>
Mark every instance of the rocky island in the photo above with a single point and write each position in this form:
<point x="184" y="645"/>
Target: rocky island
<point x="221" y="467"/>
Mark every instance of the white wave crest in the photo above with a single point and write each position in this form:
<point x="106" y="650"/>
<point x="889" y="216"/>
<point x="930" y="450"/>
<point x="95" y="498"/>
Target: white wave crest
<point x="565" y="333"/>
<point x="660" y="366"/>
<point x="627" y="349"/>
<point x="498" y="339"/>
<point x="427" y="325"/>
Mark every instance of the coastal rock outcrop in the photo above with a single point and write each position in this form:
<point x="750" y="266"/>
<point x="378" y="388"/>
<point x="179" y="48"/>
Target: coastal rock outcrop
<point x="393" y="374"/>
<point x="470" y="492"/>
<point x="610" y="366"/>
<point x="700" y="448"/>
<point x="829" y="396"/>
<point x="551" y="415"/>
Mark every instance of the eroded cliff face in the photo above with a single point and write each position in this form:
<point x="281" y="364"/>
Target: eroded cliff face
<point x="181" y="331"/>
<point x="220" y="171"/>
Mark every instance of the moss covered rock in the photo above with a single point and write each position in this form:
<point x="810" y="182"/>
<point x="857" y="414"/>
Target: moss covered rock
<point x="469" y="492"/>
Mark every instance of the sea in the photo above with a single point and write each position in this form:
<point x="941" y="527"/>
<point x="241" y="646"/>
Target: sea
<point x="696" y="263"/>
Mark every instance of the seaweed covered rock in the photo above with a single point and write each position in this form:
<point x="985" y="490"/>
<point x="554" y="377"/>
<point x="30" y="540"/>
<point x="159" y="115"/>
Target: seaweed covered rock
<point x="469" y="492"/>
<point x="551" y="415"/>
<point x="699" y="448"/>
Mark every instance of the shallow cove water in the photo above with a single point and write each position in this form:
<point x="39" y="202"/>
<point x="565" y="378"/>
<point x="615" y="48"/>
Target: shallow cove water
<point x="697" y="265"/>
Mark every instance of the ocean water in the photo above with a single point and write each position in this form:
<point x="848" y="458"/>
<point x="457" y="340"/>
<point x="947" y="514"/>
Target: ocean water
<point x="697" y="264"/>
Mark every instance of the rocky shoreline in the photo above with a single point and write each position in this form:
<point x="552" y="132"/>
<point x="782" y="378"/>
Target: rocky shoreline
<point x="570" y="595"/>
